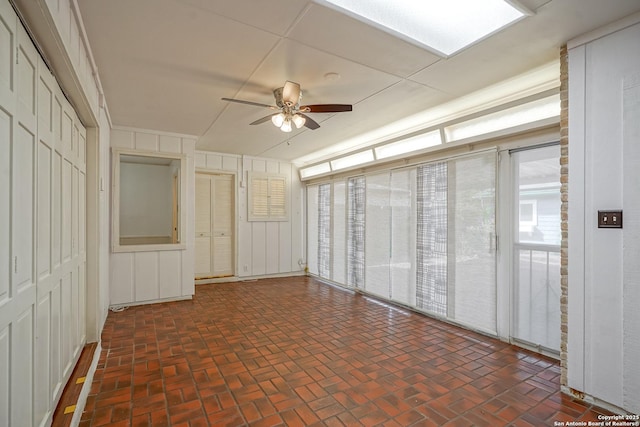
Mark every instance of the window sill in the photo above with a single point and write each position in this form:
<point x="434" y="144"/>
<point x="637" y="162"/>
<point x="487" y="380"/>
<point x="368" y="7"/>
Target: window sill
<point x="149" y="248"/>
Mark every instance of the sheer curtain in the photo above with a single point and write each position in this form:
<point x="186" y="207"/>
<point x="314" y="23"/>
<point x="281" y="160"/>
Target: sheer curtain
<point x="312" y="229"/>
<point x="339" y="258"/>
<point x="472" y="262"/>
<point x="420" y="236"/>
<point x="324" y="230"/>
<point x="378" y="235"/>
<point x="355" y="231"/>
<point x="403" y="236"/>
<point x="455" y="253"/>
<point x="432" y="238"/>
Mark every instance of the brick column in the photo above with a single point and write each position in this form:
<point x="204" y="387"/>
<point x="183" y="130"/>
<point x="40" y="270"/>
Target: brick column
<point x="564" y="195"/>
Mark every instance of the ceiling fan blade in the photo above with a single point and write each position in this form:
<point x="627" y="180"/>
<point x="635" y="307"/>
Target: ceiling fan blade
<point x="264" y="119"/>
<point x="257" y="104"/>
<point x="309" y="122"/>
<point x="326" y="108"/>
<point x="291" y="93"/>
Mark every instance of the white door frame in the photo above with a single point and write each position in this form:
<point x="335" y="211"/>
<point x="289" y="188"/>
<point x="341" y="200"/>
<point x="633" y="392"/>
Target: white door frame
<point x="234" y="214"/>
<point x="505" y="267"/>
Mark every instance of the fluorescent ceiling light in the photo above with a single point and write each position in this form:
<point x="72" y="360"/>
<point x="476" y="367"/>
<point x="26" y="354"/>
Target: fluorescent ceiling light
<point x="408" y="145"/>
<point x="315" y="170"/>
<point x="352" y="160"/>
<point x="443" y="26"/>
<point x="515" y="116"/>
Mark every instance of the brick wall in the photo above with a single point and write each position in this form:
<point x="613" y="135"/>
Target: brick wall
<point x="564" y="194"/>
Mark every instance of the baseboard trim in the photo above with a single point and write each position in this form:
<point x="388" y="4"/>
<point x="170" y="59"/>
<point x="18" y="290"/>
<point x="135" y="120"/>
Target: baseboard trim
<point x="86" y="387"/>
<point x="119" y="307"/>
<point x="248" y="278"/>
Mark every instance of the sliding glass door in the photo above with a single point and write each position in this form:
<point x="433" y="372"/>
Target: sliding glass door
<point x="420" y="236"/>
<point x="536" y="247"/>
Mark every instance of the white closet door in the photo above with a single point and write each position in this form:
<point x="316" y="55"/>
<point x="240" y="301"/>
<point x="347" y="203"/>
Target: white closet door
<point x="214" y="226"/>
<point x="18" y="199"/>
<point x="222" y="225"/>
<point x="18" y="307"/>
<point x="42" y="229"/>
<point x="7" y="99"/>
<point x="203" y="226"/>
<point x="44" y="156"/>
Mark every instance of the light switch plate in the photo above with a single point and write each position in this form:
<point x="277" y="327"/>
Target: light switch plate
<point x="609" y="219"/>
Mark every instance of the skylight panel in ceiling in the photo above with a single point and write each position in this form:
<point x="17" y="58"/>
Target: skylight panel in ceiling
<point x="442" y="26"/>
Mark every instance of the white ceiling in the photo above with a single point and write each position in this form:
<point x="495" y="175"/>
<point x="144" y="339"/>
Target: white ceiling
<point x="165" y="64"/>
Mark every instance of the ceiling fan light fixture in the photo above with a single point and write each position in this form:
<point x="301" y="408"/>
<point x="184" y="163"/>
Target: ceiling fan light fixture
<point x="298" y="120"/>
<point x="289" y="109"/>
<point x="277" y="119"/>
<point x="291" y="93"/>
<point x="286" y="126"/>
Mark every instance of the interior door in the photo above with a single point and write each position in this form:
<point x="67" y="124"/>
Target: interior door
<point x="214" y="226"/>
<point x="536" y="248"/>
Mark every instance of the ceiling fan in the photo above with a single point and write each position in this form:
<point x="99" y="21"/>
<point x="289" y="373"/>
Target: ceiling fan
<point x="289" y="110"/>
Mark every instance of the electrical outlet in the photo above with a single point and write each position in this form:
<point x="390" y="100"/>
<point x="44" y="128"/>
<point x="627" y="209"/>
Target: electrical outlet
<point x="609" y="219"/>
<point x="245" y="268"/>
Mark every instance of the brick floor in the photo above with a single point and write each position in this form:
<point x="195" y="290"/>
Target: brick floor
<point x="298" y="352"/>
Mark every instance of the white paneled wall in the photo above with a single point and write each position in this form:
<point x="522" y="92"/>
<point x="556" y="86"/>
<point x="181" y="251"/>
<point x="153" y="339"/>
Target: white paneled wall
<point x="65" y="18"/>
<point x="42" y="232"/>
<point x="143" y="277"/>
<point x="604" y="279"/>
<point x="263" y="247"/>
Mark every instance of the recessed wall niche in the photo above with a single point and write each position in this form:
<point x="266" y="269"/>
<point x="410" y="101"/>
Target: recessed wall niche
<point x="147" y="201"/>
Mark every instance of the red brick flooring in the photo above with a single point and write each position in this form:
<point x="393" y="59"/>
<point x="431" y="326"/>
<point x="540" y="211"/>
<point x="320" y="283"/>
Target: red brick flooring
<point x="298" y="352"/>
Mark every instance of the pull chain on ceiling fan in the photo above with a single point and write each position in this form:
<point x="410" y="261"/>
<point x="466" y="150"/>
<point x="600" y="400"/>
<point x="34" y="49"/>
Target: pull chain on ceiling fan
<point x="289" y="109"/>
